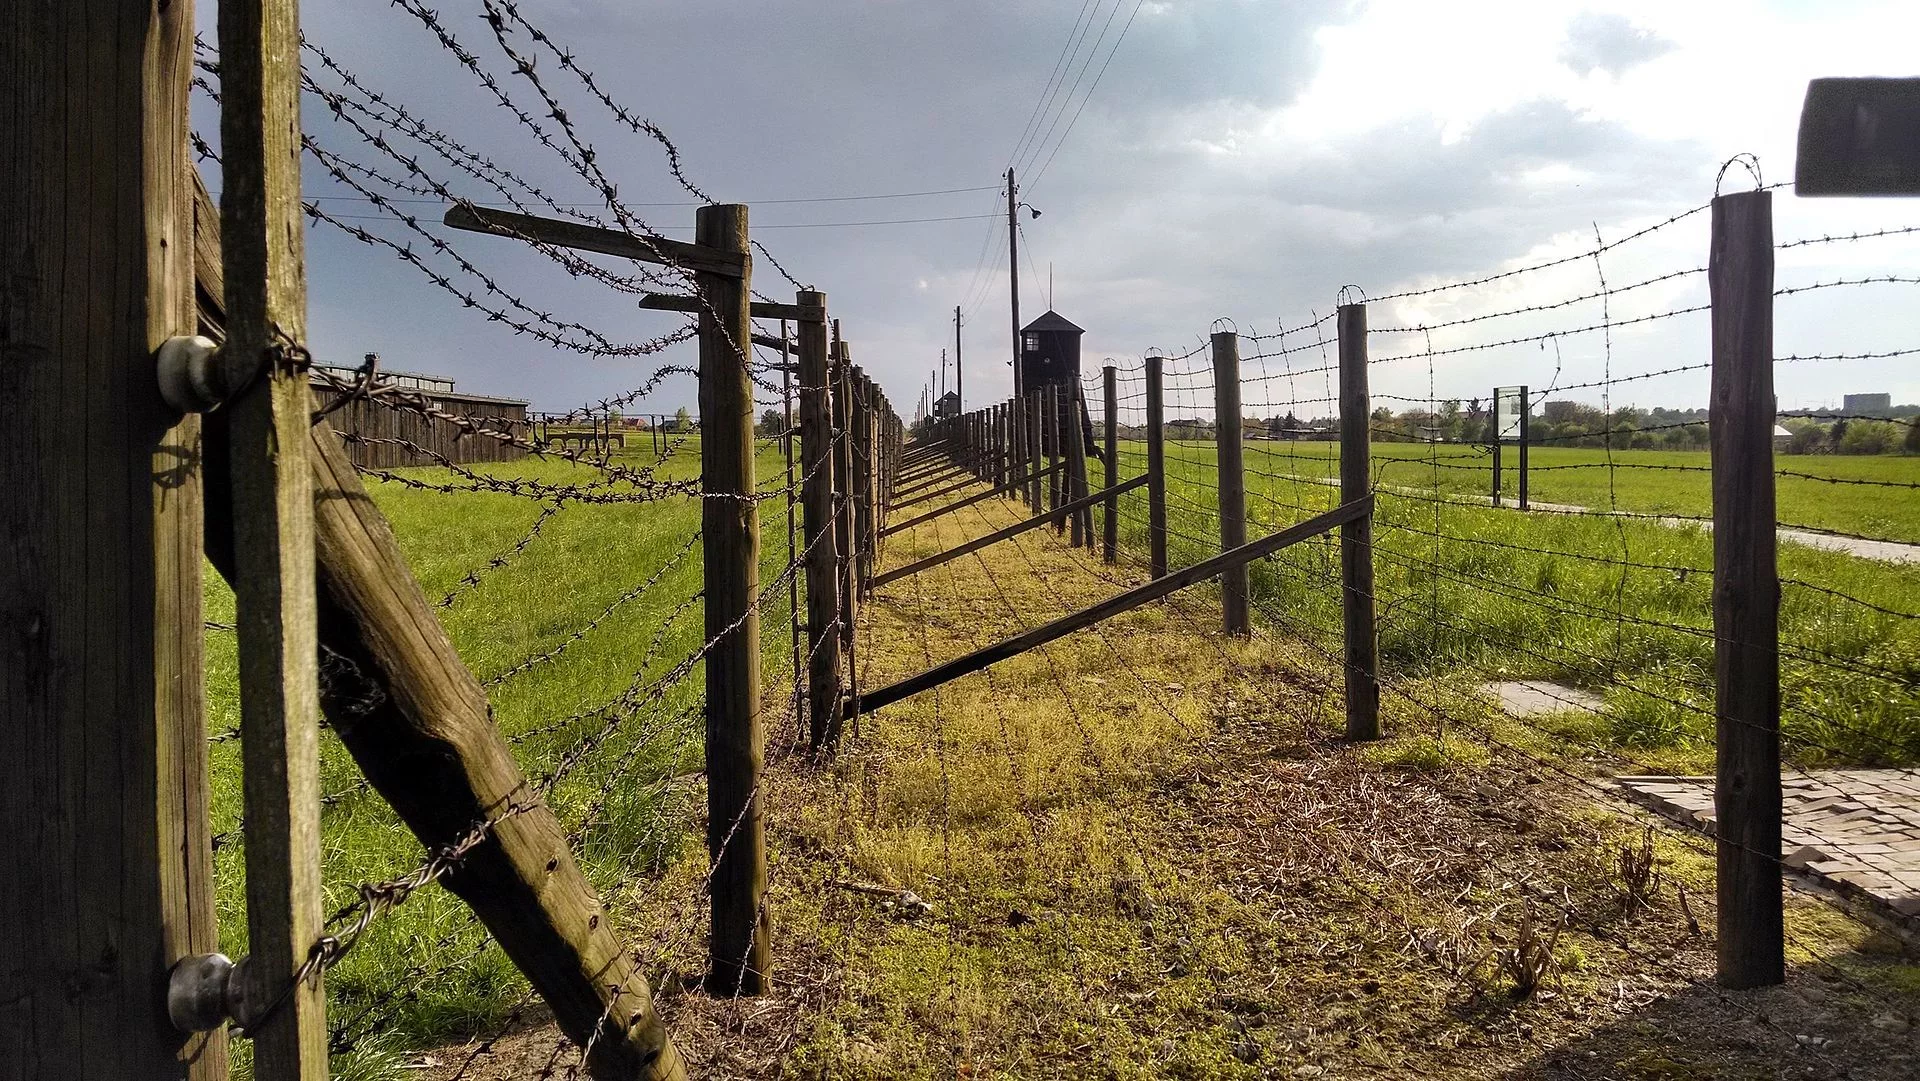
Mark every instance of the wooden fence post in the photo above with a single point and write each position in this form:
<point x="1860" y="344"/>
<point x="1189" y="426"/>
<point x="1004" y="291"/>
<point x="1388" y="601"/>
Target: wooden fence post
<point x="1356" y="537"/>
<point x="871" y="432"/>
<point x="1526" y="407"/>
<point x="107" y="861"/>
<point x="861" y="417"/>
<point x="1056" y="457"/>
<point x="1746" y="595"/>
<point x="263" y="252"/>
<point x="1156" y="468"/>
<point x="1036" y="458"/>
<point x="1230" y="462"/>
<point x="843" y="508"/>
<point x="817" y="460"/>
<point x="1076" y="448"/>
<point x="1110" y="514"/>
<point x="739" y="952"/>
<point x="1016" y="441"/>
<point x="999" y="444"/>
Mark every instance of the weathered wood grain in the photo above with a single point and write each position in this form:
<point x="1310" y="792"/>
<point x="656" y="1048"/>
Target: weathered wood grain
<point x="106" y="877"/>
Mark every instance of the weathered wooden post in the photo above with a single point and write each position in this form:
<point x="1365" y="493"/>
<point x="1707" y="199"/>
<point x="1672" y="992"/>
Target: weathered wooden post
<point x="1036" y="456"/>
<point x="1156" y="468"/>
<point x="1230" y="463"/>
<point x="816" y="493"/>
<point x="739" y="951"/>
<point x="1746" y="595"/>
<point x="999" y="445"/>
<point x="263" y="256"/>
<point x="1526" y="407"/>
<point x="1110" y="513"/>
<point x="419" y="726"/>
<point x="1076" y="449"/>
<point x="871" y="431"/>
<point x="843" y="476"/>
<point x="1356" y="537"/>
<point x="861" y="418"/>
<point x="107" y="861"/>
<point x="1016" y="441"/>
<point x="1056" y="455"/>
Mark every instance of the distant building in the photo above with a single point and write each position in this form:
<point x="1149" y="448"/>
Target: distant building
<point x="1782" y="439"/>
<point x="381" y="436"/>
<point x="947" y="406"/>
<point x="1867" y="404"/>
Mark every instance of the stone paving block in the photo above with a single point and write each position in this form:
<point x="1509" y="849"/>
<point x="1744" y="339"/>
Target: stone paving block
<point x="1858" y="830"/>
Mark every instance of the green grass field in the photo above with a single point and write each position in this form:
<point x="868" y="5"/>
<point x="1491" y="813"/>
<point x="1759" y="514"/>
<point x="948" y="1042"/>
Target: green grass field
<point x="1855" y="497"/>
<point x="1616" y="606"/>
<point x="1466" y="594"/>
<point x="423" y="974"/>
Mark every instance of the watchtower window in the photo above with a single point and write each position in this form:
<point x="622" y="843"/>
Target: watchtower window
<point x="1033" y="343"/>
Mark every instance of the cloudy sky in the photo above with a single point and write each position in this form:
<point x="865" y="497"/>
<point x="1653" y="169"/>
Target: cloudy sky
<point x="1192" y="159"/>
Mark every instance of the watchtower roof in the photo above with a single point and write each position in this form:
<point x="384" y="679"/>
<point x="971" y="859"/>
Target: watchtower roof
<point x="1052" y="321"/>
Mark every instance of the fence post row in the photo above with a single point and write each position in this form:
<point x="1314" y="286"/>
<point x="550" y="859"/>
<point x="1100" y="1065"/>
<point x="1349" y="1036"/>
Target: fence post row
<point x="1356" y="537"/>
<point x="1110" y="513"/>
<point x="817" y="485"/>
<point x="1229" y="462"/>
<point x="739" y="952"/>
<point x="1746" y="595"/>
<point x="1156" y="469"/>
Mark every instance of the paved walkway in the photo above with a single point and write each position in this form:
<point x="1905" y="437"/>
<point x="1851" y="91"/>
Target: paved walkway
<point x="1856" y="831"/>
<point x="1884" y="551"/>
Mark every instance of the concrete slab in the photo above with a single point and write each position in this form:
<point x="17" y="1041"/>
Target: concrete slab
<point x="1535" y="697"/>
<point x="1855" y="831"/>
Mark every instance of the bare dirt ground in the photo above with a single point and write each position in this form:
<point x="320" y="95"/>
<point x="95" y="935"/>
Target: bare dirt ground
<point x="1141" y="853"/>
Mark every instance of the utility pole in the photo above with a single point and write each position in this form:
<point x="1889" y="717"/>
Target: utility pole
<point x="959" y="372"/>
<point x="943" y="373"/>
<point x="1013" y="277"/>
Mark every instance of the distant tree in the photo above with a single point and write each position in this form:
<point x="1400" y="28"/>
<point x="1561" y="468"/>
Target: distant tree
<point x="682" y="420"/>
<point x="1837" y="435"/>
<point x="1912" y="443"/>
<point x="1289" y="425"/>
<point x="1869" y="437"/>
<point x="772" y="423"/>
<point x="1809" y="437"/>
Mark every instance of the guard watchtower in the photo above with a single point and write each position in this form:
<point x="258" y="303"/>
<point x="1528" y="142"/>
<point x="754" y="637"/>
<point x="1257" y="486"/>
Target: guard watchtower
<point x="1050" y="357"/>
<point x="1050" y="353"/>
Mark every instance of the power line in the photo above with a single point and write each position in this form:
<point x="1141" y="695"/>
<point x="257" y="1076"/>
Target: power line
<point x="1046" y="93"/>
<point x="1095" y="85"/>
<point x="1067" y="99"/>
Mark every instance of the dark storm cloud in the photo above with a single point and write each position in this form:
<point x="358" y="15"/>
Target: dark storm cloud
<point x="1609" y="43"/>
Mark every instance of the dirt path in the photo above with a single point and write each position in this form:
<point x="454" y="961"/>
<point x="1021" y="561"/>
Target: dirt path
<point x="1139" y="853"/>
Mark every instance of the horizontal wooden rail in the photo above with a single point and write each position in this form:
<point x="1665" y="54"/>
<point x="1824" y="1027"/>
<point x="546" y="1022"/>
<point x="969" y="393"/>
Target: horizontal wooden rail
<point x="573" y="234"/>
<point x="762" y="309"/>
<point x="1132" y="598"/>
<point x="915" y="497"/>
<point x="999" y="535"/>
<point x="967" y="502"/>
<point x="935" y="477"/>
